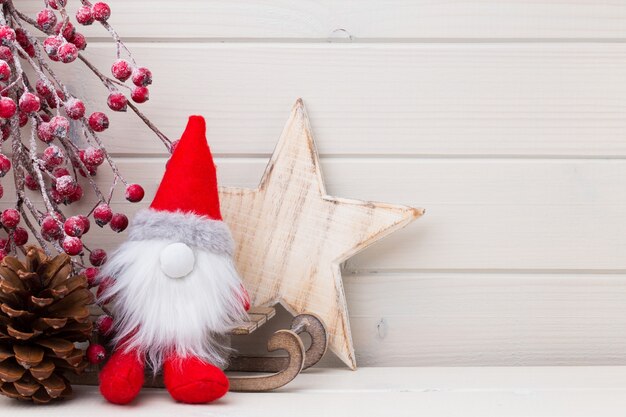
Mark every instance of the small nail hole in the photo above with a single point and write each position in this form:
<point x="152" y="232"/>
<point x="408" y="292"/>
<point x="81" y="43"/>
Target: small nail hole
<point x="381" y="328"/>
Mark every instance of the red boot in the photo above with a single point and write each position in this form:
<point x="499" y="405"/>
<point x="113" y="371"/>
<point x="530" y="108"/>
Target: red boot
<point x="122" y="377"/>
<point x="193" y="381"/>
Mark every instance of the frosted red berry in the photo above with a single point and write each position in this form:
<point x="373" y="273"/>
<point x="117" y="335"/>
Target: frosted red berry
<point x="5" y="165"/>
<point x="74" y="108"/>
<point x="10" y="218"/>
<point x="60" y="171"/>
<point x="68" y="30"/>
<point x="5" y="71"/>
<point x="20" y="236"/>
<point x="29" y="103"/>
<point x="76" y="195"/>
<point x="60" y="126"/>
<point x="91" y="274"/>
<point x="68" y="52"/>
<point x="84" y="15"/>
<point x="101" y="11"/>
<point x="52" y="102"/>
<point x="91" y="171"/>
<point x="140" y="94"/>
<point x="51" y="45"/>
<point x="141" y="77"/>
<point x="98" y="121"/>
<point x="50" y="228"/>
<point x="72" y="245"/>
<point x="86" y="223"/>
<point x="134" y="193"/>
<point x="29" y="49"/>
<point x="98" y="257"/>
<point x="31" y="182"/>
<point x="5" y="53"/>
<point x="96" y="354"/>
<point x="119" y="222"/>
<point x="65" y="185"/>
<point x="79" y="41"/>
<point x="92" y="156"/>
<point x="22" y="118"/>
<point x="57" y="4"/>
<point x="60" y="94"/>
<point x="53" y="156"/>
<point x="104" y="324"/>
<point x="74" y="226"/>
<point x="21" y="37"/>
<point x="102" y="214"/>
<point x="122" y="69"/>
<point x="7" y="107"/>
<point x="45" y="133"/>
<point x="117" y="101"/>
<point x="43" y="88"/>
<point x="56" y="197"/>
<point x="7" y="35"/>
<point x="46" y="19"/>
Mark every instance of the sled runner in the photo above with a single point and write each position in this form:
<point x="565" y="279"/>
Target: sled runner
<point x="285" y="368"/>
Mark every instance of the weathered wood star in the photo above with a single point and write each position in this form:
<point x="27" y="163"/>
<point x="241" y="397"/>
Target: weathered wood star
<point x="292" y="237"/>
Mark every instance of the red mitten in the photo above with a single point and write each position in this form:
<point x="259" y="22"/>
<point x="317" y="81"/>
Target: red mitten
<point x="122" y="377"/>
<point x="193" y="381"/>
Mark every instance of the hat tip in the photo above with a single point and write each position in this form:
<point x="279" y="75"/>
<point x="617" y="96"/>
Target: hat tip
<point x="196" y="120"/>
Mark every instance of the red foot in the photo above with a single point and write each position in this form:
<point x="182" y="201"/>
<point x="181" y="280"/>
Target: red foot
<point x="193" y="381"/>
<point x="122" y="377"/>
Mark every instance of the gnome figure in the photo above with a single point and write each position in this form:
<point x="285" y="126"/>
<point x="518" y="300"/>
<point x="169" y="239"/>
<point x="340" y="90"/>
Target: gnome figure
<point x="176" y="291"/>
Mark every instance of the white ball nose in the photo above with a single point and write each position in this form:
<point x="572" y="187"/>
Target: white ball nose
<point x="177" y="260"/>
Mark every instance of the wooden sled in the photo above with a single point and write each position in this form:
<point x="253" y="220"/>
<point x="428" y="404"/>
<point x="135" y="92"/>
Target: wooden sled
<point x="284" y="369"/>
<point x="277" y="371"/>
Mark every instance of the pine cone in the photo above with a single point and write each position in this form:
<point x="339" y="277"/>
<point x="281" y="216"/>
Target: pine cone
<point x="43" y="312"/>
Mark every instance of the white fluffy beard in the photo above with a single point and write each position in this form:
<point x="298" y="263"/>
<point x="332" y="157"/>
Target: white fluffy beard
<point x="160" y="315"/>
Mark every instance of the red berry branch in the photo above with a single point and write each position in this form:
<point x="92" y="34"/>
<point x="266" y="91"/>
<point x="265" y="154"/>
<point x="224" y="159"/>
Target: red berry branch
<point x="64" y="149"/>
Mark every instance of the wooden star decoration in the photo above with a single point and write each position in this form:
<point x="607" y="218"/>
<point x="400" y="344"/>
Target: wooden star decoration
<point x="292" y="237"/>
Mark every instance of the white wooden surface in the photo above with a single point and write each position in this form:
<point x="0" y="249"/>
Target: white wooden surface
<point x="364" y="19"/>
<point x="436" y="392"/>
<point x="383" y="99"/>
<point x="506" y="120"/>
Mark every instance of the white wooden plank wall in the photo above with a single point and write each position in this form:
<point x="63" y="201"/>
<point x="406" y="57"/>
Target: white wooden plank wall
<point x="505" y="119"/>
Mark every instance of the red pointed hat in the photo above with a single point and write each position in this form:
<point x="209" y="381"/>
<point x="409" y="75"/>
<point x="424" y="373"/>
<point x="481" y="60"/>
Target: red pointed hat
<point x="190" y="182"/>
<point x="186" y="207"/>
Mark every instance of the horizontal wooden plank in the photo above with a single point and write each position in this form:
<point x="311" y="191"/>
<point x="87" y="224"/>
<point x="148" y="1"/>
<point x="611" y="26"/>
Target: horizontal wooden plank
<point x="431" y="391"/>
<point x="361" y="19"/>
<point x="503" y="214"/>
<point x="380" y="99"/>
<point x="481" y="319"/>
<point x="488" y="319"/>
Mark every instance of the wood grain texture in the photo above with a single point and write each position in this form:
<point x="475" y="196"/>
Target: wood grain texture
<point x="431" y="391"/>
<point x="488" y="319"/>
<point x="479" y="319"/>
<point x="358" y="20"/>
<point x="291" y="236"/>
<point x="380" y="99"/>
<point x="483" y="214"/>
<point x="504" y="118"/>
